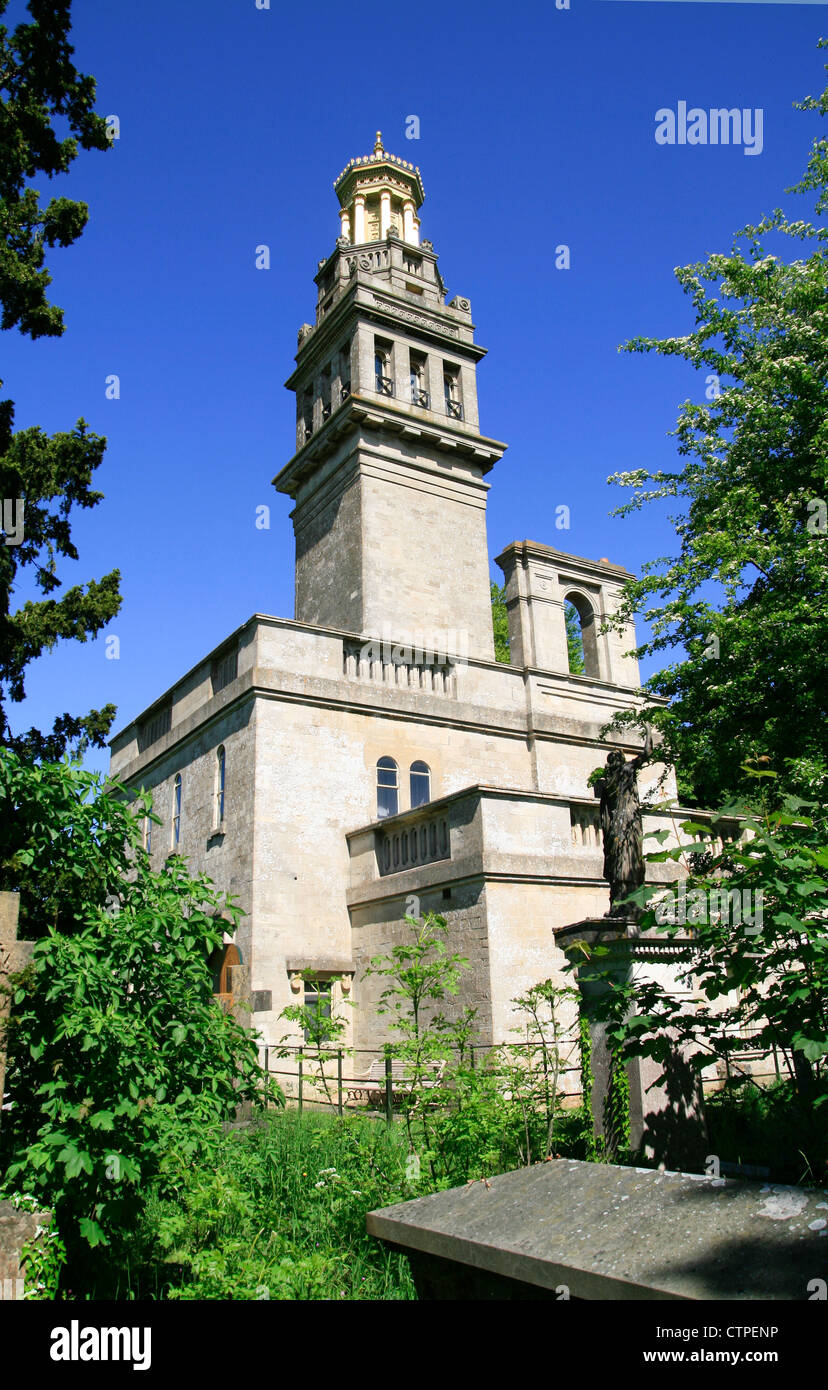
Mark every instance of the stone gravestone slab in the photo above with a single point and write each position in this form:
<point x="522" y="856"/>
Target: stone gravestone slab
<point x="17" y="1229"/>
<point x="14" y="957"/>
<point x="567" y="1229"/>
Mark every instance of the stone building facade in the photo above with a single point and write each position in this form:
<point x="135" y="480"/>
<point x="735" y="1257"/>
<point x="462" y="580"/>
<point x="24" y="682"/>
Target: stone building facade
<point x="370" y="754"/>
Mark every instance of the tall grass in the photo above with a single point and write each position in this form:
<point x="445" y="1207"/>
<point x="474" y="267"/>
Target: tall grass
<point x="280" y="1215"/>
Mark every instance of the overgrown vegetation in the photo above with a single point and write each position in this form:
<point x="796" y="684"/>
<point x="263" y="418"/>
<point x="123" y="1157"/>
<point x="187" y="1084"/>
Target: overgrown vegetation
<point x="750" y="921"/>
<point x="120" y="1063"/>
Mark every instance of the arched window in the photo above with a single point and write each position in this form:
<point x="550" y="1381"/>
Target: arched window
<point x="388" y="794"/>
<point x="420" y="784"/>
<point x="581" y="639"/>
<point x="221" y="963"/>
<point x="218" y="814"/>
<point x="176" y="816"/>
<point x="382" y="369"/>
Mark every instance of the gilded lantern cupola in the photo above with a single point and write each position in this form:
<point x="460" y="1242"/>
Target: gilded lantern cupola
<point x="377" y="193"/>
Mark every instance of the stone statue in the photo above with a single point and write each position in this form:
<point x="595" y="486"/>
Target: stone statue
<point x="621" y="829"/>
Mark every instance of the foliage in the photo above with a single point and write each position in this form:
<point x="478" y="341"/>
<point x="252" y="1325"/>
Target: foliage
<point x="40" y="87"/>
<point x="768" y="1127"/>
<point x="278" y="1213"/>
<point x="321" y="1029"/>
<point x="42" y="1257"/>
<point x="574" y="639"/>
<point x="420" y="974"/>
<point x="494" y="1108"/>
<point x="744" y="601"/>
<point x="500" y="622"/>
<point x="535" y="1064"/>
<point x="42" y="92"/>
<point x="752" y="916"/>
<point x="65" y="844"/>
<point x="119" y="1058"/>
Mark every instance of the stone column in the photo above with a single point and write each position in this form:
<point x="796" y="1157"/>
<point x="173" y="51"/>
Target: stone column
<point x="385" y="214"/>
<point x="359" y="219"/>
<point x="666" y="1112"/>
<point x="345" y="220"/>
<point x="409" y="228"/>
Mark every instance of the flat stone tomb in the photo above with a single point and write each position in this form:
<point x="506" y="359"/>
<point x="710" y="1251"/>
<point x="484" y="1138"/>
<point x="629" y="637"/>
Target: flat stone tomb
<point x="597" y="1231"/>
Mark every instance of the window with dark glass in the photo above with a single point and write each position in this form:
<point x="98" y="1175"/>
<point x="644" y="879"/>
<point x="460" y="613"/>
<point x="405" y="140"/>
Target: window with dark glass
<point x="388" y="795"/>
<point x="420" y="784"/>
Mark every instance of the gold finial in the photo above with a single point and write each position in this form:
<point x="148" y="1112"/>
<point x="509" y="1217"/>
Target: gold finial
<point x="378" y="149"/>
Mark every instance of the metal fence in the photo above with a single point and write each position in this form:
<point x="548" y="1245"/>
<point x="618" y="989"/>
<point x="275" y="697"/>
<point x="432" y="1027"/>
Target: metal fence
<point x="386" y="1086"/>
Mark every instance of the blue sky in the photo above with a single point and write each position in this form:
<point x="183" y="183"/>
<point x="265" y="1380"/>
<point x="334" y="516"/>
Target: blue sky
<point x="536" y="129"/>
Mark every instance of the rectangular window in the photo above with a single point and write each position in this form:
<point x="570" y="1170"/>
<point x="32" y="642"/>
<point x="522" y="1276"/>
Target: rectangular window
<point x="318" y="1005"/>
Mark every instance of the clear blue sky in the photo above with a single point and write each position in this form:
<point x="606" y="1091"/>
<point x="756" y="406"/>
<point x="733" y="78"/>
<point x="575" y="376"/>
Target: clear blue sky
<point x="537" y="128"/>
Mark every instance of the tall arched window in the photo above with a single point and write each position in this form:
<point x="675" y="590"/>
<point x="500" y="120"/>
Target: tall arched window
<point x="581" y="639"/>
<point x="176" y="815"/>
<point x="388" y="793"/>
<point x="222" y="962"/>
<point x="218" y="813"/>
<point x="420" y="784"/>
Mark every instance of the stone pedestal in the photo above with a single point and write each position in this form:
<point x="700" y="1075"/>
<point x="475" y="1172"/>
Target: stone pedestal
<point x="14" y="957"/>
<point x="666" y="1112"/>
<point x="18" y="1229"/>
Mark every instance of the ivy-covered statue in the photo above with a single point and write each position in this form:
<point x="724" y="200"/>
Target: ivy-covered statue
<point x="621" y="827"/>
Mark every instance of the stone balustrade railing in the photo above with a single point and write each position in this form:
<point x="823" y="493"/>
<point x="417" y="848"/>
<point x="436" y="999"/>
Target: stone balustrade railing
<point x="405" y="847"/>
<point x="373" y="662"/>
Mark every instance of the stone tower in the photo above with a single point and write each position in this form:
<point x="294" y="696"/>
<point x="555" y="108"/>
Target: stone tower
<point x="388" y="477"/>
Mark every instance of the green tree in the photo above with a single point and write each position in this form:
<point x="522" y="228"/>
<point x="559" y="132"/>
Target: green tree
<point x="120" y="1061"/>
<point x="322" y="1029"/>
<point x="42" y="93"/>
<point x="742" y="607"/>
<point x="500" y="622"/>
<point x="420" y="974"/>
<point x="574" y="639"/>
<point x="752" y="948"/>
